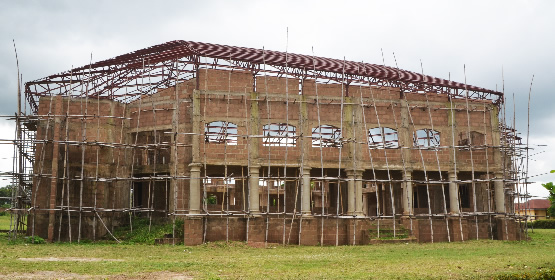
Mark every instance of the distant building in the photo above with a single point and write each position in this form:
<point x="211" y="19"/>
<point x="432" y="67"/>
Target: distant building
<point x="535" y="209"/>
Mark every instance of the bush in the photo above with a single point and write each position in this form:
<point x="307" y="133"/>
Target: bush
<point x="549" y="224"/>
<point x="141" y="233"/>
<point x="34" y="240"/>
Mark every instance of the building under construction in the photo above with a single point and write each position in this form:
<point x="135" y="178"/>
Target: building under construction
<point x="263" y="146"/>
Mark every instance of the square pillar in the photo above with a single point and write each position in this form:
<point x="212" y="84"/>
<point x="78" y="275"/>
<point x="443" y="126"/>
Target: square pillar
<point x="453" y="194"/>
<point x="254" y="196"/>
<point x="306" y="188"/>
<point x="194" y="188"/>
<point x="193" y="231"/>
<point x="499" y="191"/>
<point x="407" y="194"/>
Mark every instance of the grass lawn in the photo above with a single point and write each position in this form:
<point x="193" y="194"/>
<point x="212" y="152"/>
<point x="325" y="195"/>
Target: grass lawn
<point x="471" y="259"/>
<point x="5" y="222"/>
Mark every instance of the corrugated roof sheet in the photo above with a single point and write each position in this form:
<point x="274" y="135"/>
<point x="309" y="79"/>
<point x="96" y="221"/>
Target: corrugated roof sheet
<point x="534" y="204"/>
<point x="177" y="49"/>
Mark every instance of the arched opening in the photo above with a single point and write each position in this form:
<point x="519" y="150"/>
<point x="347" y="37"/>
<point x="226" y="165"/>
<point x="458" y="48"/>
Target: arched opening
<point x="383" y="138"/>
<point x="220" y="132"/>
<point x="326" y="136"/>
<point x="426" y="138"/>
<point x="279" y="134"/>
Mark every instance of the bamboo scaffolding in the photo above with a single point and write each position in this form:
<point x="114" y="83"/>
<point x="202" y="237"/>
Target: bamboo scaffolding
<point x="165" y="181"/>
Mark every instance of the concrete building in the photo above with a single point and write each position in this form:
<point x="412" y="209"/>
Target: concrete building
<point x="265" y="146"/>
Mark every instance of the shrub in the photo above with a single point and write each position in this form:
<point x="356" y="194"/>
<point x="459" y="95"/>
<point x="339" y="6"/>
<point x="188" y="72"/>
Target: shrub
<point x="141" y="233"/>
<point x="34" y="240"/>
<point x="549" y="224"/>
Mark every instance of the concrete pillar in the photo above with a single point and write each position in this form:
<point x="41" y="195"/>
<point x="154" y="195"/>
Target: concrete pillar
<point x="254" y="196"/>
<point x="405" y="132"/>
<point x="305" y="205"/>
<point x="194" y="188"/>
<point x="453" y="194"/>
<point x="351" y="192"/>
<point x="499" y="193"/>
<point x="365" y="204"/>
<point x="358" y="193"/>
<point x="197" y="127"/>
<point x="408" y="207"/>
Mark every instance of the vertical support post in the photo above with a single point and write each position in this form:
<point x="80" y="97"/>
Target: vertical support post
<point x="358" y="193"/>
<point x="173" y="157"/>
<point x="197" y="127"/>
<point x="351" y="192"/>
<point x="55" y="154"/>
<point x="306" y="188"/>
<point x="194" y="188"/>
<point x="407" y="194"/>
<point x="254" y="197"/>
<point x="499" y="193"/>
<point x="453" y="194"/>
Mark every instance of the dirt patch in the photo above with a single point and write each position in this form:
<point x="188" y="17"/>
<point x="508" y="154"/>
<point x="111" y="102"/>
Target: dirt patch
<point x="68" y="259"/>
<point x="154" y="275"/>
<point x="48" y="275"/>
<point x="66" y="275"/>
<point x="262" y="245"/>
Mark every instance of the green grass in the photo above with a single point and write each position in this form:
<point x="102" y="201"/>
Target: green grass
<point x="4" y="222"/>
<point x="459" y="260"/>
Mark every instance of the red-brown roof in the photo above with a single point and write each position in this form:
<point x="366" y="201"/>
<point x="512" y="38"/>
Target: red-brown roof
<point x="104" y="78"/>
<point x="179" y="48"/>
<point x="534" y="204"/>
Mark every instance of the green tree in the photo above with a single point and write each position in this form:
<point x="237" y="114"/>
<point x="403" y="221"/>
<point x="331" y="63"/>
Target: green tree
<point x="551" y="188"/>
<point x="5" y="193"/>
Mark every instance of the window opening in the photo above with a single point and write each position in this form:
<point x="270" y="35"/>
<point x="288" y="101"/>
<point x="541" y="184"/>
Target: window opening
<point x="221" y="132"/>
<point x="279" y="134"/>
<point x="327" y="136"/>
<point x="426" y="138"/>
<point x="383" y="138"/>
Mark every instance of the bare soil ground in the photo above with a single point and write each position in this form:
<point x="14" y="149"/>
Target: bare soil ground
<point x="66" y="275"/>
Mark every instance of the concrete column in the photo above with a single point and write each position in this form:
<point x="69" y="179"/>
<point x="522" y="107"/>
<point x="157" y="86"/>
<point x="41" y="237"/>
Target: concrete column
<point x="499" y="193"/>
<point x="453" y="194"/>
<point x="305" y="205"/>
<point x="358" y="193"/>
<point x="197" y="127"/>
<point x="405" y="133"/>
<point x="408" y="207"/>
<point x="194" y="188"/>
<point x="351" y="192"/>
<point x="254" y="196"/>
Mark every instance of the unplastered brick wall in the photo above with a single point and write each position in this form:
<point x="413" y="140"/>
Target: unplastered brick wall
<point x="221" y="106"/>
<point x="388" y="114"/>
<point x="225" y="80"/>
<point x="229" y="98"/>
<point x="277" y="108"/>
<point x="271" y="84"/>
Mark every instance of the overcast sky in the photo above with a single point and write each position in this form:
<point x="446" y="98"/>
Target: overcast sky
<point x="492" y="38"/>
